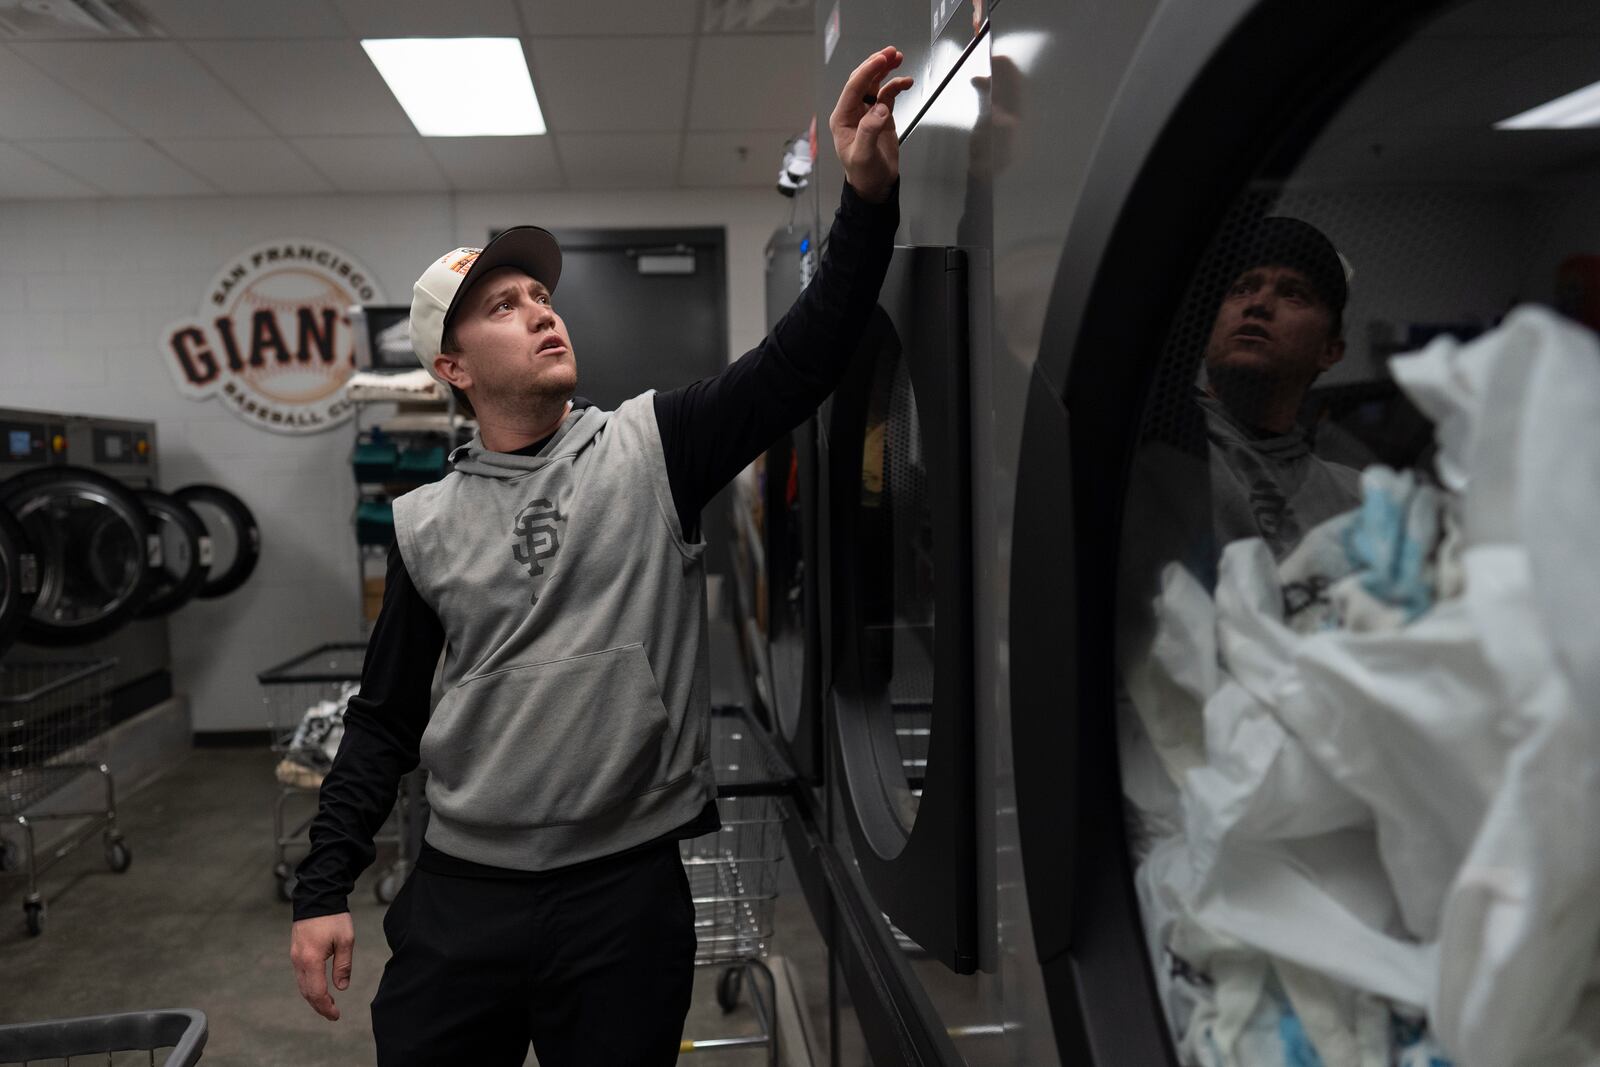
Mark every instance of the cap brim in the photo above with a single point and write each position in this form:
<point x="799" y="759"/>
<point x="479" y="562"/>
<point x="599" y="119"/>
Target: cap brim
<point x="531" y="249"/>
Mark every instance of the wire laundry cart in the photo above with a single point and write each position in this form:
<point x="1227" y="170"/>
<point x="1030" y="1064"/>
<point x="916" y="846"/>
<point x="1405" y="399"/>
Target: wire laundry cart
<point x="733" y="875"/>
<point x="181" y="1030"/>
<point x="50" y="717"/>
<point x="326" y="673"/>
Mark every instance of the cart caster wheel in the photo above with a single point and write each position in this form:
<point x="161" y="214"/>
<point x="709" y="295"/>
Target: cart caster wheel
<point x="728" y="989"/>
<point x="118" y="857"/>
<point x="33" y="912"/>
<point x="281" y="870"/>
<point x="387" y="889"/>
<point x="286" y="889"/>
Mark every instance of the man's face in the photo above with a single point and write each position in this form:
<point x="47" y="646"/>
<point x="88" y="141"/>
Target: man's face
<point x="514" y="347"/>
<point x="1273" y="324"/>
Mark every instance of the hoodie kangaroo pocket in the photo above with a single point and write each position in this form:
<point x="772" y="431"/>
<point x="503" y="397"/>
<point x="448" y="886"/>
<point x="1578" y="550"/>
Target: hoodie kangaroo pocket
<point x="543" y="744"/>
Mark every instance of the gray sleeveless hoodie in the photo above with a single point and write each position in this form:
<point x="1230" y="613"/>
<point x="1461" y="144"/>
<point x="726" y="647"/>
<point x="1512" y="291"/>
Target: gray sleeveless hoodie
<point x="574" y="716"/>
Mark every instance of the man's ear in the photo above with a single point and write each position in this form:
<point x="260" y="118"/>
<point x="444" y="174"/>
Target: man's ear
<point x="1332" y="354"/>
<point x="448" y="366"/>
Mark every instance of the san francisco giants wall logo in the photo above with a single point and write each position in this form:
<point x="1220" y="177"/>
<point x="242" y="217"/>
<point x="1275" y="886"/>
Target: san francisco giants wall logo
<point x="273" y="336"/>
<point x="537" y="536"/>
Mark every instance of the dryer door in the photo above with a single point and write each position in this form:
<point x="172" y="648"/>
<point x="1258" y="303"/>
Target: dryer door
<point x="1319" y="706"/>
<point x="19" y="577"/>
<point x="794" y="645"/>
<point x="901" y="574"/>
<point x="95" y="548"/>
<point x="185" y="553"/>
<point x="235" y="538"/>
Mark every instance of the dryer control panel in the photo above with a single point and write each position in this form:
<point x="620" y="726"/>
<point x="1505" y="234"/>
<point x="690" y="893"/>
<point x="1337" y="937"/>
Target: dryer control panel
<point x="31" y="442"/>
<point x="122" y="448"/>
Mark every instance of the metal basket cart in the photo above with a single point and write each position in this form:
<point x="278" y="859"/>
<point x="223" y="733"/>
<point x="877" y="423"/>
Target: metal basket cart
<point x="50" y="716"/>
<point x="733" y="875"/>
<point x="288" y="690"/>
<point x="182" y="1030"/>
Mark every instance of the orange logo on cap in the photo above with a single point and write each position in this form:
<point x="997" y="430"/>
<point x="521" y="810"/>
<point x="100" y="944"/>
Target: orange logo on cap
<point x="464" y="264"/>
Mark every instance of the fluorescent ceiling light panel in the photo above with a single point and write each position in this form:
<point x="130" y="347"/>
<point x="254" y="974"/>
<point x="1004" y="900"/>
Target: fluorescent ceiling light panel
<point x="1576" y="109"/>
<point x="460" y="86"/>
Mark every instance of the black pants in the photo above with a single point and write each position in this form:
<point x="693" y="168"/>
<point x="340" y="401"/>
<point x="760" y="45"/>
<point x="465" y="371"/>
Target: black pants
<point x="594" y="966"/>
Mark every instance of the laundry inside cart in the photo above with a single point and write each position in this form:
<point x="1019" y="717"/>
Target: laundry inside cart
<point x="309" y="754"/>
<point x="1368" y="773"/>
<point x="305" y="700"/>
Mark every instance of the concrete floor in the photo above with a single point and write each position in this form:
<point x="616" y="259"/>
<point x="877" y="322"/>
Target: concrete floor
<point x="196" y="922"/>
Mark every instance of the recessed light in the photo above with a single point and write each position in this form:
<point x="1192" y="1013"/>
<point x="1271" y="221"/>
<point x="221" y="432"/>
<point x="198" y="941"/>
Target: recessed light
<point x="460" y="86"/>
<point x="1578" y="108"/>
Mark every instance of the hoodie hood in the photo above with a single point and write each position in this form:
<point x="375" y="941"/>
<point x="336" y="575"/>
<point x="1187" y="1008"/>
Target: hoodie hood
<point x="577" y="430"/>
<point x="1225" y="427"/>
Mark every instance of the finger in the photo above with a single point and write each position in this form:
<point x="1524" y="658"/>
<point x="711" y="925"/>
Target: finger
<point x="314" y="987"/>
<point x="892" y="89"/>
<point x="343" y="960"/>
<point x="864" y="79"/>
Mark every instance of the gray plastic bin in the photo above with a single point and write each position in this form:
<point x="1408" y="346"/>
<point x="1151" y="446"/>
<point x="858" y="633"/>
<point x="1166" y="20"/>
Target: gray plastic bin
<point x="182" y="1030"/>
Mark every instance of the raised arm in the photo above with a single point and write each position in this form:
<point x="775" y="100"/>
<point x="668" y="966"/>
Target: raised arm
<point x="712" y="429"/>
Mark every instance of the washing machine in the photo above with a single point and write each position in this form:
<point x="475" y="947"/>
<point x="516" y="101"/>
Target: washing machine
<point x="1153" y="149"/>
<point x="790" y="658"/>
<point x="111" y="555"/>
<point x="71" y="482"/>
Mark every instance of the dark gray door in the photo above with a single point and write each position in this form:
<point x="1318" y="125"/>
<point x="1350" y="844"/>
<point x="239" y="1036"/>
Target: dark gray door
<point x="637" y="323"/>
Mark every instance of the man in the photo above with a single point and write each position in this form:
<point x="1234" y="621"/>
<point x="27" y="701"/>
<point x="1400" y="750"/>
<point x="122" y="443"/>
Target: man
<point x="560" y="566"/>
<point x="1278" y="328"/>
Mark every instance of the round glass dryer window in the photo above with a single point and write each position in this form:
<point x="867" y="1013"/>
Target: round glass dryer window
<point x="1356" y="654"/>
<point x="91" y="536"/>
<point x="787" y="586"/>
<point x="896" y="574"/>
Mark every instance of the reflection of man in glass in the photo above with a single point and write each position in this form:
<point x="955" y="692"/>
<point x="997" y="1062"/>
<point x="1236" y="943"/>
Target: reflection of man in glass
<point x="1278" y="327"/>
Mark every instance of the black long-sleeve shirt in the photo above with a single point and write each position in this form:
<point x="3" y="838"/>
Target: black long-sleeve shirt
<point x="710" y="430"/>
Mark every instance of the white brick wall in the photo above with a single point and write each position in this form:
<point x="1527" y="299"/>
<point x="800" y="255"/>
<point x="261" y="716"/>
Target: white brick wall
<point x="81" y="332"/>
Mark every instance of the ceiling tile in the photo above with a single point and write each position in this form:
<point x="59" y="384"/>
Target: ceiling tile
<point x="618" y="160"/>
<point x="430" y="18"/>
<point x="746" y="82"/>
<point x="1427" y="67"/>
<point x="246" y="18"/>
<point x="248" y="166"/>
<point x="1497" y="92"/>
<point x="482" y="164"/>
<point x="599" y="84"/>
<point x="715" y="159"/>
<point x="24" y="177"/>
<point x="31" y="105"/>
<point x="121" y="168"/>
<point x="545" y="18"/>
<point x="308" y="88"/>
<point x="759" y="16"/>
<point x="1526" y="18"/>
<point x="154" y="87"/>
<point x="374" y="164"/>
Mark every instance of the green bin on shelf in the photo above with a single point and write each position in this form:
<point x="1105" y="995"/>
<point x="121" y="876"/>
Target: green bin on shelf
<point x="375" y="461"/>
<point x="424" y="464"/>
<point x="374" y="522"/>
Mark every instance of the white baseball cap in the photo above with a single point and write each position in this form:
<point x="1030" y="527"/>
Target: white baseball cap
<point x="434" y="297"/>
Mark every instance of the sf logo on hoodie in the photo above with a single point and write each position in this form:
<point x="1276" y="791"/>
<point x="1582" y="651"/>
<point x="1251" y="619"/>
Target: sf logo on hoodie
<point x="538" y="537"/>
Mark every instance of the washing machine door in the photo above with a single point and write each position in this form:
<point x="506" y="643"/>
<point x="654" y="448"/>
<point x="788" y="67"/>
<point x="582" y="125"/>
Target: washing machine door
<point x="185" y="556"/>
<point x="95" y="548"/>
<point x="900" y="577"/>
<point x="235" y="537"/>
<point x="794" y="641"/>
<point x="1279" y="342"/>
<point x="19" y="578"/>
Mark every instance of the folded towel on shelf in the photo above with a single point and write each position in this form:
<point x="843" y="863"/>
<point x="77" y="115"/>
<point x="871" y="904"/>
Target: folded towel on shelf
<point x="406" y="385"/>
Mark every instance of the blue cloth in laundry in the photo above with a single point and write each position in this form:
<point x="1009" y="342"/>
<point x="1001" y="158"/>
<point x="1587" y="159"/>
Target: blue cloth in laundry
<point x="1378" y="566"/>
